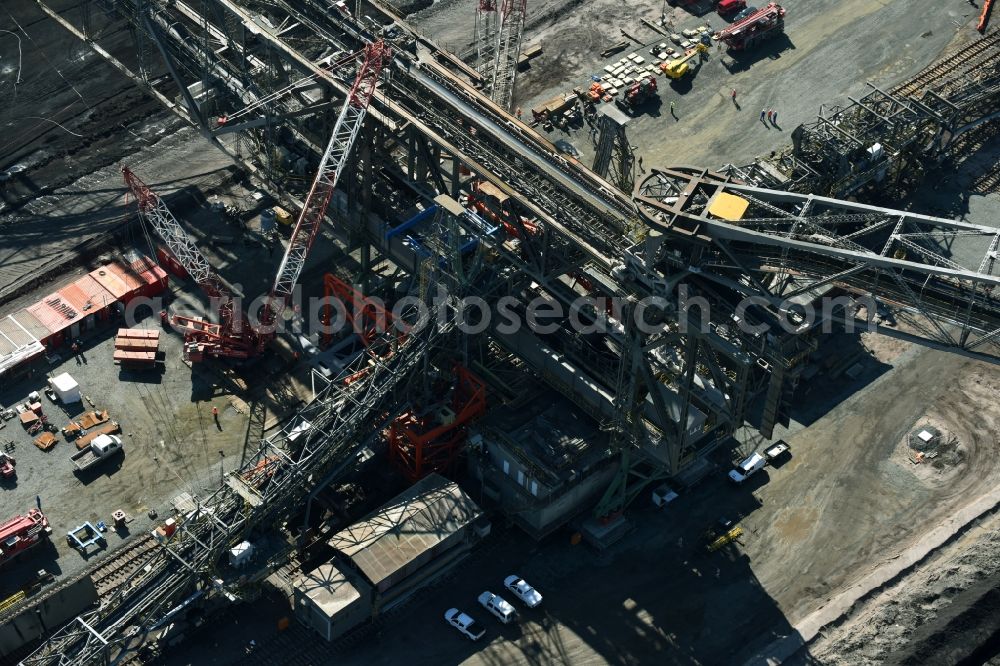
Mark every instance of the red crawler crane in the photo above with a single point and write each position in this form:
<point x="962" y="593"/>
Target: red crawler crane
<point x="231" y="338"/>
<point x="201" y="337"/>
<point x="763" y="24"/>
<point x="338" y="151"/>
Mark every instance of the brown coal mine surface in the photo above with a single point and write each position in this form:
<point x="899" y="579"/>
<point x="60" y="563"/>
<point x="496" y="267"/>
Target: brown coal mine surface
<point x="946" y="611"/>
<point x="70" y="112"/>
<point x="851" y="497"/>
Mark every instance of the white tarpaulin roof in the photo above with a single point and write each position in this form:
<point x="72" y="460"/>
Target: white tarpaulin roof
<point x="64" y="383"/>
<point x="17" y="344"/>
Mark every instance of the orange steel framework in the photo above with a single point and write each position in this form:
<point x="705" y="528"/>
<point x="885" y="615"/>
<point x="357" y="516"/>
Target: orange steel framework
<point x="984" y="16"/>
<point x="368" y="318"/>
<point x="509" y="219"/>
<point x="431" y="439"/>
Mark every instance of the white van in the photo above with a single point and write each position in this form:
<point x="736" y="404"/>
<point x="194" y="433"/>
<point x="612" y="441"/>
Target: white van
<point x="745" y="469"/>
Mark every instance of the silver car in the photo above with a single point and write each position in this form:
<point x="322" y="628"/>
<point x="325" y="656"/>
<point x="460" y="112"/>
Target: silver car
<point x="528" y="595"/>
<point x="464" y="623"/>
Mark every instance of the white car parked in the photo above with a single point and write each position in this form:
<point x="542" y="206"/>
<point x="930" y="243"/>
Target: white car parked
<point x="498" y="606"/>
<point x="520" y="588"/>
<point x="465" y="624"/>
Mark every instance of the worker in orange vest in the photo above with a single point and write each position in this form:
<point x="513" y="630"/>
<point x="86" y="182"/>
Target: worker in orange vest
<point x="215" y="412"/>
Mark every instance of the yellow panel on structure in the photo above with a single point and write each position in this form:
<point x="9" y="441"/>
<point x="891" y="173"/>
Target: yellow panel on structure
<point x="728" y="207"/>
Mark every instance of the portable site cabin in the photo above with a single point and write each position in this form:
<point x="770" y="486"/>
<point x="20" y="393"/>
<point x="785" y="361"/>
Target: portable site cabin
<point x="66" y="388"/>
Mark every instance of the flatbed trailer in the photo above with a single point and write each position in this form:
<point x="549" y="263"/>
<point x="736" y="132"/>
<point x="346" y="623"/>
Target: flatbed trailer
<point x="110" y="428"/>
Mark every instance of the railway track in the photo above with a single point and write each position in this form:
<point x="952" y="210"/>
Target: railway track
<point x="988" y="183"/>
<point x="115" y="570"/>
<point x="107" y="573"/>
<point x="958" y="63"/>
<point x="970" y="142"/>
<point x="967" y="146"/>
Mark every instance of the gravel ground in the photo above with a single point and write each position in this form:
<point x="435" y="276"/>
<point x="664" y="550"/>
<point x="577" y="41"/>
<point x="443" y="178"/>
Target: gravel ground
<point x="832" y="48"/>
<point x="937" y="614"/>
<point x="171" y="446"/>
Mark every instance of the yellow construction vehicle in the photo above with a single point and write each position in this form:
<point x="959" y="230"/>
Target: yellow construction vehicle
<point x="283" y="217"/>
<point x="678" y="67"/>
<point x="724" y="539"/>
<point x="722" y="533"/>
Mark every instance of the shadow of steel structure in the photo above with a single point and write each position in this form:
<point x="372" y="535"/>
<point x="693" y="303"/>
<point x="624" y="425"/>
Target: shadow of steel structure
<point x="888" y="139"/>
<point x="544" y="228"/>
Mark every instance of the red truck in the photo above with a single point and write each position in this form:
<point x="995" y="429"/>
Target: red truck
<point x="21" y="533"/>
<point x="763" y="24"/>
<point x="728" y="7"/>
<point x="8" y="466"/>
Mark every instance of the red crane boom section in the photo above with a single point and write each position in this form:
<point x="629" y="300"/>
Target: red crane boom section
<point x="331" y="167"/>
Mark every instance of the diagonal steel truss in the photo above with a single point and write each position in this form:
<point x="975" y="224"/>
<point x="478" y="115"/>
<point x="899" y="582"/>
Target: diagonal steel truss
<point x="887" y="138"/>
<point x="942" y="273"/>
<point x="498" y="46"/>
<point x="568" y="233"/>
<point x="331" y="167"/>
<point x="272" y="482"/>
<point x="229" y="336"/>
<point x="486" y="38"/>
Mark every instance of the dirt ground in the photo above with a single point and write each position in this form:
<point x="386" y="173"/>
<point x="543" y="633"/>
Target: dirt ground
<point x="858" y="444"/>
<point x="832" y="47"/>
<point x="171" y="446"/>
<point x="66" y="114"/>
<point x="939" y="613"/>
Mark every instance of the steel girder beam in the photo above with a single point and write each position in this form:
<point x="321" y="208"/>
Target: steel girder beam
<point x="276" y="118"/>
<point x="193" y="109"/>
<point x="917" y="123"/>
<point x="485" y="38"/>
<point x="269" y="485"/>
<point x="938" y="268"/>
<point x="581" y="218"/>
<point x="614" y="153"/>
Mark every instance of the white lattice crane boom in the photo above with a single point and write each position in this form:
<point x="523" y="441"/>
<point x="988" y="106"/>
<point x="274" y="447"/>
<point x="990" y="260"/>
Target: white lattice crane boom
<point x="498" y="45"/>
<point x="486" y="39"/>
<point x="331" y="167"/>
<point x="228" y="337"/>
<point x="508" y="49"/>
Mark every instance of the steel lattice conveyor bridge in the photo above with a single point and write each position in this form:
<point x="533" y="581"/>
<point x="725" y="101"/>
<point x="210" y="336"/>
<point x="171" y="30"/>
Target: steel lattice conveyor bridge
<point x="431" y="133"/>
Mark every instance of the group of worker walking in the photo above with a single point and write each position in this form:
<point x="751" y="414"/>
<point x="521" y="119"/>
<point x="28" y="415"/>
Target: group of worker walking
<point x="766" y="115"/>
<point x="771" y="116"/>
